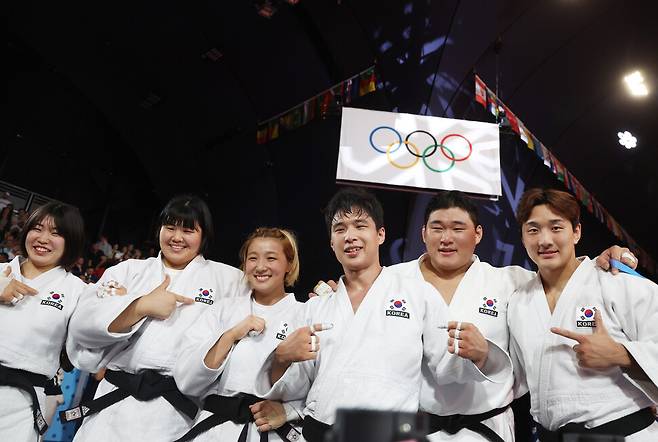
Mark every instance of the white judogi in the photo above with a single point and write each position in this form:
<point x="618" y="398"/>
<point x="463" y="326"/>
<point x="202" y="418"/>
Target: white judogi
<point x="481" y="299"/>
<point x="562" y="392"/>
<point x="371" y="359"/>
<point x="244" y="362"/>
<point x="33" y="333"/>
<point x="150" y="344"/>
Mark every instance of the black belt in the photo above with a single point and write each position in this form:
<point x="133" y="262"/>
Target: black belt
<point x="235" y="409"/>
<point x="52" y="387"/>
<point x="144" y="386"/>
<point x="624" y="426"/>
<point x="314" y="430"/>
<point x="455" y="422"/>
<point x="26" y="381"/>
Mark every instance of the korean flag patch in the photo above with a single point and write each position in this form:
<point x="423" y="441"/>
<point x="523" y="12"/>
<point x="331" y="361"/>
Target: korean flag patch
<point x="585" y="317"/>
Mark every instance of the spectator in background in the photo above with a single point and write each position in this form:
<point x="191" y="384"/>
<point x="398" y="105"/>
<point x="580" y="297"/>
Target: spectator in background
<point x="104" y="246"/>
<point x="4" y="257"/>
<point x="78" y="268"/>
<point x="96" y="254"/>
<point x="10" y="245"/>
<point x="22" y="217"/>
<point x="13" y="225"/>
<point x="100" y="267"/>
<point x="88" y="276"/>
<point x="4" y="200"/>
<point x="5" y="217"/>
<point x="120" y="255"/>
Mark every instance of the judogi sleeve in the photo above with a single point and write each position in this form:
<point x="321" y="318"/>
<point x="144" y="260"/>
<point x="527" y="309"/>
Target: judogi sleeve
<point x="295" y="382"/>
<point x="520" y="383"/>
<point x="294" y="410"/>
<point x="633" y="301"/>
<point x="447" y="367"/>
<point x="93" y="315"/>
<point x="193" y="377"/>
<point x="84" y="358"/>
<point x="89" y="359"/>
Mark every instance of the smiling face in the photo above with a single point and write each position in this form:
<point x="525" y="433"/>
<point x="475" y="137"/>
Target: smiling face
<point x="450" y="238"/>
<point x="355" y="239"/>
<point x="44" y="245"/>
<point x="266" y="266"/>
<point x="179" y="244"/>
<point x="550" y="239"/>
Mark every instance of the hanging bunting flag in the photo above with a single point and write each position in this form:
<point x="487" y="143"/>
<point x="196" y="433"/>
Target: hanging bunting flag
<point x="527" y="137"/>
<point x="480" y="92"/>
<point x="347" y="93"/>
<point x="559" y="170"/>
<point x="355" y="86"/>
<point x="537" y="146"/>
<point x="261" y="135"/>
<point x="546" y="155"/>
<point x="309" y="110"/>
<point x="493" y="104"/>
<point x="273" y="131"/>
<point x="513" y="122"/>
<point x="367" y="82"/>
<point x="296" y="118"/>
<point x="325" y="102"/>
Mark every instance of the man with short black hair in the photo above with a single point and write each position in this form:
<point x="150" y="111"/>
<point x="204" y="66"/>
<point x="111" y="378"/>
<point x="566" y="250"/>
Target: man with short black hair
<point x="477" y="294"/>
<point x="369" y="338"/>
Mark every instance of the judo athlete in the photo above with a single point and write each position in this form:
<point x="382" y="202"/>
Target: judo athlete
<point x="364" y="344"/>
<point x="477" y="294"/>
<point x="222" y="354"/>
<point x="137" y="335"/>
<point x="37" y="298"/>
<point x="585" y="343"/>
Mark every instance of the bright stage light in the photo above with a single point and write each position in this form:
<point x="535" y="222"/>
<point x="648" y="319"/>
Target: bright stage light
<point x="636" y="85"/>
<point x="627" y="139"/>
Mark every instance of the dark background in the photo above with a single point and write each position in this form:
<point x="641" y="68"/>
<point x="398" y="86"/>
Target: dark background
<point x="117" y="107"/>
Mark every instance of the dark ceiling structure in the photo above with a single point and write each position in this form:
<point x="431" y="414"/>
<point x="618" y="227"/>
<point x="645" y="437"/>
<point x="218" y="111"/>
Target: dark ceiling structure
<point x="115" y="108"/>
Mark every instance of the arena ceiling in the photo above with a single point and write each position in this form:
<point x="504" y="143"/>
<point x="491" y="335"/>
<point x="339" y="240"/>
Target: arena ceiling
<point x="121" y="105"/>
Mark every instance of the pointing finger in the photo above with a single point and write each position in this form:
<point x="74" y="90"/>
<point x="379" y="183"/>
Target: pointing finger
<point x="184" y="299"/>
<point x="568" y="334"/>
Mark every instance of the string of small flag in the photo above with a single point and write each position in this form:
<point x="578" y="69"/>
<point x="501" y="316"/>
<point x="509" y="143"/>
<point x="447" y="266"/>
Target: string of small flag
<point x="317" y="106"/>
<point x="491" y="102"/>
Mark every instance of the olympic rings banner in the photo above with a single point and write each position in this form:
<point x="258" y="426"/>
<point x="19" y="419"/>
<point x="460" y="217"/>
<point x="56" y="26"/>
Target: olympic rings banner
<point x="414" y="151"/>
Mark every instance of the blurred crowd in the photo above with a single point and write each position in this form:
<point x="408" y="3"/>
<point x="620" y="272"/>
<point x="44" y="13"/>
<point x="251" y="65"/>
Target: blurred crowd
<point x="99" y="255"/>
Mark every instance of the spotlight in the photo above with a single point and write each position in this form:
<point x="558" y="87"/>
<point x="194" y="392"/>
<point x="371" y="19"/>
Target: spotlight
<point x="627" y="139"/>
<point x="635" y="84"/>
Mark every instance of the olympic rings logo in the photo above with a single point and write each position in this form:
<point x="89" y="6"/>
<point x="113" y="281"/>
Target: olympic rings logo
<point x="427" y="152"/>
